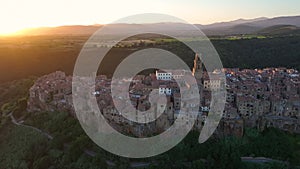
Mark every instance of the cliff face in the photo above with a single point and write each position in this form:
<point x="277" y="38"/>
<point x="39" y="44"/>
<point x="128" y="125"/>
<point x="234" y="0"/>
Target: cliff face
<point x="51" y="92"/>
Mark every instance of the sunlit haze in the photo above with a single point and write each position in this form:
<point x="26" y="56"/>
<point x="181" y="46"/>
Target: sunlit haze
<point x="16" y="15"/>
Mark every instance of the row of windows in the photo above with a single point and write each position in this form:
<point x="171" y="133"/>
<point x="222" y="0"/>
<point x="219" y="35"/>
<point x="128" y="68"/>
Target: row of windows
<point x="164" y="74"/>
<point x="160" y="78"/>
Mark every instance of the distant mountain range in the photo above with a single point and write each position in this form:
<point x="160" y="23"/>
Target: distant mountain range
<point x="278" y="25"/>
<point x="251" y="26"/>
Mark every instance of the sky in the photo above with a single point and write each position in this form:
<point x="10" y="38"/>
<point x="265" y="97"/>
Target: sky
<point x="20" y="14"/>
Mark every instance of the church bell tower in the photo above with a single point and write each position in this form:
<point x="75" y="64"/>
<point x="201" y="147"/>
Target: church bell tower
<point x="198" y="68"/>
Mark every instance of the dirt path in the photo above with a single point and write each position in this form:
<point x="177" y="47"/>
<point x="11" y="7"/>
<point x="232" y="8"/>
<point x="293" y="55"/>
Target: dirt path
<point x="13" y="120"/>
<point x="86" y="151"/>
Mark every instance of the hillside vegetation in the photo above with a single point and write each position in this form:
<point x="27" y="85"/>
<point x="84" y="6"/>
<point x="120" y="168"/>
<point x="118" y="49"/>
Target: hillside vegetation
<point x="24" y="57"/>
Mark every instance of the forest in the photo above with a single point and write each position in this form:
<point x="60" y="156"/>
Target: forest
<point x="40" y="55"/>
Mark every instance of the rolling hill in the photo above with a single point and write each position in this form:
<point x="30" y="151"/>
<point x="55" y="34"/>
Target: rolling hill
<point x="280" y="30"/>
<point x="250" y="26"/>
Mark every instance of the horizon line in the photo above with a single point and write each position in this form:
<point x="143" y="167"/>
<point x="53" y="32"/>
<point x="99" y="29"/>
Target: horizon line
<point x="19" y="32"/>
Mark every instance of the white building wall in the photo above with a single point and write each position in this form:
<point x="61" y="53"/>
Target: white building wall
<point x="163" y="75"/>
<point x="163" y="90"/>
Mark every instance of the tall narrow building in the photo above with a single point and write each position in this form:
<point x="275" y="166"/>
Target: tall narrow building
<point x="198" y="68"/>
<point x="198" y="74"/>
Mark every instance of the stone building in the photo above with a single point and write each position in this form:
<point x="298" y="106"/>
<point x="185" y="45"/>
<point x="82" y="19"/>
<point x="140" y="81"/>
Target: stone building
<point x="259" y="98"/>
<point x="51" y="93"/>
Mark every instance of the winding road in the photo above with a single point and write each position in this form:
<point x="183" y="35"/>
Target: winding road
<point x="86" y="151"/>
<point x="13" y="119"/>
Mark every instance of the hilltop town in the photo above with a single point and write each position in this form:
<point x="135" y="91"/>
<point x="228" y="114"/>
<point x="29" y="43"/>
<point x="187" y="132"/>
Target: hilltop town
<point x="259" y="98"/>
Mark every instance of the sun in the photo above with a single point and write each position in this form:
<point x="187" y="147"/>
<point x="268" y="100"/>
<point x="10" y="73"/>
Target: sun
<point x="9" y="31"/>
